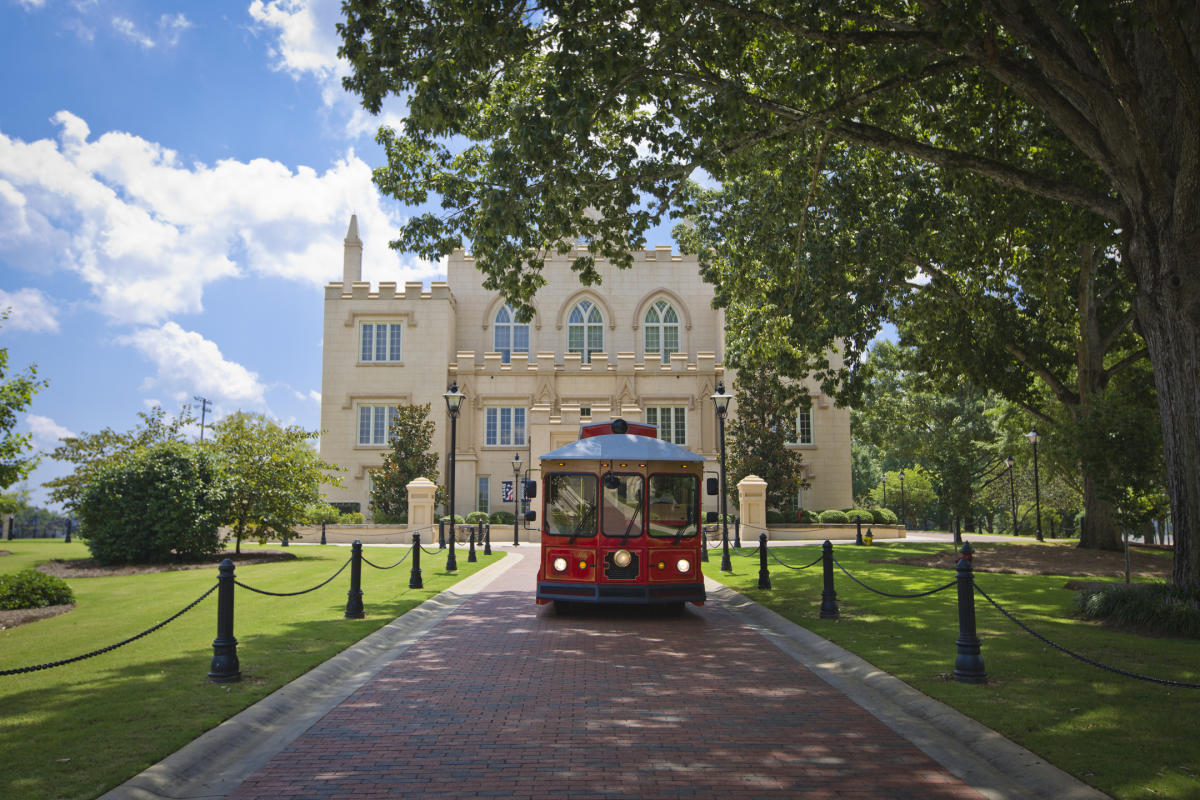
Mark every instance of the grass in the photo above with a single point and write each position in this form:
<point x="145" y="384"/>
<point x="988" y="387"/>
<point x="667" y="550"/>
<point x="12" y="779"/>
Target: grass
<point x="1128" y="738"/>
<point x="78" y="730"/>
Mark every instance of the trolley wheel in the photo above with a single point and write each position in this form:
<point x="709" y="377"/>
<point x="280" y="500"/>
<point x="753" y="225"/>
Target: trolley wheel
<point x="562" y="607"/>
<point x="674" y="609"/>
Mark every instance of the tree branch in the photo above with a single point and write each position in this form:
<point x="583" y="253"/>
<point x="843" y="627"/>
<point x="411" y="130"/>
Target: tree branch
<point x="1128" y="360"/>
<point x="1061" y="392"/>
<point x="1106" y="341"/>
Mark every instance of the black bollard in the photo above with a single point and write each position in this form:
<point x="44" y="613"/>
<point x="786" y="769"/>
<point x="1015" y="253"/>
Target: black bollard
<point x="764" y="577"/>
<point x="487" y="538"/>
<point x="829" y="606"/>
<point x="414" y="579"/>
<point x="471" y="559"/>
<point x="968" y="665"/>
<point x="737" y="532"/>
<point x="224" y="667"/>
<point x="354" y="601"/>
<point x="451" y="559"/>
<point x="441" y="534"/>
<point x="322" y="531"/>
<point x="703" y="544"/>
<point x="858" y="531"/>
<point x="67" y="540"/>
<point x="285" y="541"/>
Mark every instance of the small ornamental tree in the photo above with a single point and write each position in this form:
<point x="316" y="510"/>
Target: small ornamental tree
<point x="410" y="457"/>
<point x="159" y="504"/>
<point x="758" y="434"/>
<point x="16" y="394"/>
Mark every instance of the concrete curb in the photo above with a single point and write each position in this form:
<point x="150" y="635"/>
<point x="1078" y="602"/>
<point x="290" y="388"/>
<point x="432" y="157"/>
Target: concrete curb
<point x="216" y="763"/>
<point x="979" y="756"/>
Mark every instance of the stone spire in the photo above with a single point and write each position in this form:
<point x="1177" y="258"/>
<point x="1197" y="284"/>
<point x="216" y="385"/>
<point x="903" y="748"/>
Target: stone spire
<point x="352" y="260"/>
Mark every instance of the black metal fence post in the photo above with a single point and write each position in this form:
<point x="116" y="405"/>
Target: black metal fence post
<point x="487" y="538"/>
<point x="737" y="532"/>
<point x="968" y="665"/>
<point x="414" y="579"/>
<point x="829" y="606"/>
<point x="322" y="531"/>
<point x="451" y="558"/>
<point x="225" y="667"/>
<point x="67" y="540"/>
<point x="764" y="577"/>
<point x="703" y="544"/>
<point x="354" y="601"/>
<point x="471" y="558"/>
<point x="858" y="531"/>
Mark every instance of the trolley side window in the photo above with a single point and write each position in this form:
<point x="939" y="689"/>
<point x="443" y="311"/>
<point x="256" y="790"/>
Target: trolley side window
<point x="622" y="515"/>
<point x="570" y="505"/>
<point x="672" y="508"/>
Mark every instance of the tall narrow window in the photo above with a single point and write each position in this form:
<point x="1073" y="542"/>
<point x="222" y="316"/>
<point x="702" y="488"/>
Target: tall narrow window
<point x="671" y="422"/>
<point x="508" y="335"/>
<point x="374" y="422"/>
<point x="380" y="341"/>
<point x="504" y="427"/>
<point x="585" y="330"/>
<point x="661" y="324"/>
<point x="804" y="426"/>
<point x="483" y="495"/>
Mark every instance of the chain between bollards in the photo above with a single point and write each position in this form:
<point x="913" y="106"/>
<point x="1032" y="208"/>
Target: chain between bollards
<point x="829" y="606"/>
<point x="414" y="578"/>
<point x="968" y="664"/>
<point x="764" y="577"/>
<point x="354" y="601"/>
<point x="225" y="667"/>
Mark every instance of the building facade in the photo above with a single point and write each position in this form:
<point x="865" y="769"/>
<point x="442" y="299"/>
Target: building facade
<point x="645" y="345"/>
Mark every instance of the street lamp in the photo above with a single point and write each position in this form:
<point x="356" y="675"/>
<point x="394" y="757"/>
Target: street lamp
<point x="516" y="462"/>
<point x="1012" y="492"/>
<point x="721" y="403"/>
<point x="903" y="508"/>
<point x="454" y="400"/>
<point x="1033" y="437"/>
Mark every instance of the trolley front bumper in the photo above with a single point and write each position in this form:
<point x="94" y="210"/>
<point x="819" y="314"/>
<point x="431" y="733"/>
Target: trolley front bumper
<point x="615" y="593"/>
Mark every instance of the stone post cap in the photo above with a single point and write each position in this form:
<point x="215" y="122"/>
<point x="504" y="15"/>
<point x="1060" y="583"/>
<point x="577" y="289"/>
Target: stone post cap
<point x="751" y="481"/>
<point x="420" y="483"/>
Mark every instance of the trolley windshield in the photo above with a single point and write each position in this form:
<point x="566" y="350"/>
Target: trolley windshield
<point x="672" y="506"/>
<point x="571" y="505"/>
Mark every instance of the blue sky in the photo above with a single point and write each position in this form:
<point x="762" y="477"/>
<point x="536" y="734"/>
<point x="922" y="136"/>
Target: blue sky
<point x="175" y="184"/>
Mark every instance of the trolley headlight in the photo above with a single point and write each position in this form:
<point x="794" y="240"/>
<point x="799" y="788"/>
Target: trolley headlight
<point x="559" y="564"/>
<point x="683" y="565"/>
<point x="622" y="558"/>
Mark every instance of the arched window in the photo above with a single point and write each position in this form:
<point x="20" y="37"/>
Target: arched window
<point x="662" y="329"/>
<point x="508" y="335"/>
<point x="585" y="330"/>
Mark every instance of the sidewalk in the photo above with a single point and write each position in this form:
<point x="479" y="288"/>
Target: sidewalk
<point x="481" y="693"/>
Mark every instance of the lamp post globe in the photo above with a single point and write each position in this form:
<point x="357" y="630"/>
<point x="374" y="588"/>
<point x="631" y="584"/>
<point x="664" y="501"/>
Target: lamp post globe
<point x="454" y="399"/>
<point x="721" y="404"/>
<point x="517" y="492"/>
<point x="1033" y="438"/>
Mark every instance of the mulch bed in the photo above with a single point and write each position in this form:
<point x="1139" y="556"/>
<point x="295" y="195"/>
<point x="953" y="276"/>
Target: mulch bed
<point x="1049" y="559"/>
<point x="90" y="568"/>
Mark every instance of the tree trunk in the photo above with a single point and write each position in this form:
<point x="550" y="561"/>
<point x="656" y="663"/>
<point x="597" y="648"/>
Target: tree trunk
<point x="1168" y="307"/>
<point x="1098" y="531"/>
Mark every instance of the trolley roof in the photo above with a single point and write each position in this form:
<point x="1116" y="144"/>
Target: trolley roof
<point x="621" y="447"/>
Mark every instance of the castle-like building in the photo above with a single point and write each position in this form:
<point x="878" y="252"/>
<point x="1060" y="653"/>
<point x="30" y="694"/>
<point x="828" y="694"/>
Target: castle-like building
<point x="645" y="345"/>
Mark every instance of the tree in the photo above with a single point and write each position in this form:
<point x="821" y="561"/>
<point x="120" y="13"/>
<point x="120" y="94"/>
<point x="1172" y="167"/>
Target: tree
<point x="16" y="395"/>
<point x="92" y="452"/>
<point x="159" y="504"/>
<point x="759" y="433"/>
<point x="523" y="118"/>
<point x="411" y="457"/>
<point x="913" y="499"/>
<point x="272" y="474"/>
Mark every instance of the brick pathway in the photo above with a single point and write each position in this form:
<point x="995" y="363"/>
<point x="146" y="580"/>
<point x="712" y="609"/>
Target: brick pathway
<point x="506" y="700"/>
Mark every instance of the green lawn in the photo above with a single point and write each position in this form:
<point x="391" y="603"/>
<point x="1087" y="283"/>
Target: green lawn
<point x="78" y="730"/>
<point x="1128" y="738"/>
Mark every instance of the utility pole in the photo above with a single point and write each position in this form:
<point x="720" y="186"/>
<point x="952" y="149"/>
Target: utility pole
<point x="205" y="407"/>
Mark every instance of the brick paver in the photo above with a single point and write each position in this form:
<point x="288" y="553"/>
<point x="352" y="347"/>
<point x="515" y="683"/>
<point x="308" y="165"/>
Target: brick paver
<point x="506" y="700"/>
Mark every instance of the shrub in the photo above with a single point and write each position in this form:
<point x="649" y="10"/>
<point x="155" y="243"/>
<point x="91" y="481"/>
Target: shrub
<point x="773" y="517"/>
<point x="32" y="589"/>
<point x="321" y="512"/>
<point x="347" y="508"/>
<point x="862" y="515"/>
<point x="833" y="515"/>
<point x="384" y="518"/>
<point x="1151" y="607"/>
<point x="884" y="516"/>
<point x="160" y="504"/>
<point x="502" y="518"/>
<point x="457" y="518"/>
<point x="353" y="518"/>
<point x="808" y="516"/>
<point x="476" y="517"/>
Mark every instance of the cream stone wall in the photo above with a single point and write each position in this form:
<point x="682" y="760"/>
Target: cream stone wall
<point x="448" y="336"/>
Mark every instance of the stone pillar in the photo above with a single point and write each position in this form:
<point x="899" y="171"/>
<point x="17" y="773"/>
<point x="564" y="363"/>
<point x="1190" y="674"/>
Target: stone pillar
<point x="421" y="495"/>
<point x="752" y="504"/>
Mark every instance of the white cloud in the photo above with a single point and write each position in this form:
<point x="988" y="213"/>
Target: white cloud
<point x="30" y="311"/>
<point x="170" y="28"/>
<point x="46" y="432"/>
<point x="190" y="364"/>
<point x="311" y="394"/>
<point x="128" y="29"/>
<point x="30" y="5"/>
<point x="148" y="233"/>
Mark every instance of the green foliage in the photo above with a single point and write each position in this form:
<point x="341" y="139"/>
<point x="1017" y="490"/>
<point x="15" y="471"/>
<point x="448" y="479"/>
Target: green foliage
<point x="917" y="499"/>
<point x="411" y="456"/>
<point x="317" y="513"/>
<point x="774" y="517"/>
<point x="883" y="516"/>
<point x="91" y="453"/>
<point x="160" y="504"/>
<point x="1147" y="607"/>
<point x="16" y="395"/>
<point x="476" y="517"/>
<point x="863" y="515"/>
<point x="502" y="518"/>
<point x="809" y="517"/>
<point x="30" y="588"/>
<point x="273" y="475"/>
<point x="759" y="432"/>
<point x="354" y="518"/>
<point x="832" y="515"/>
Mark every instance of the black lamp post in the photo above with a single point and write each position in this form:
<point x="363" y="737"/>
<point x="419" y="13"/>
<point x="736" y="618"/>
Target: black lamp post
<point x="721" y="402"/>
<point x="454" y="400"/>
<point x="1033" y="437"/>
<point x="517" y="492"/>
<point x="903" y="508"/>
<point x="1012" y="492"/>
